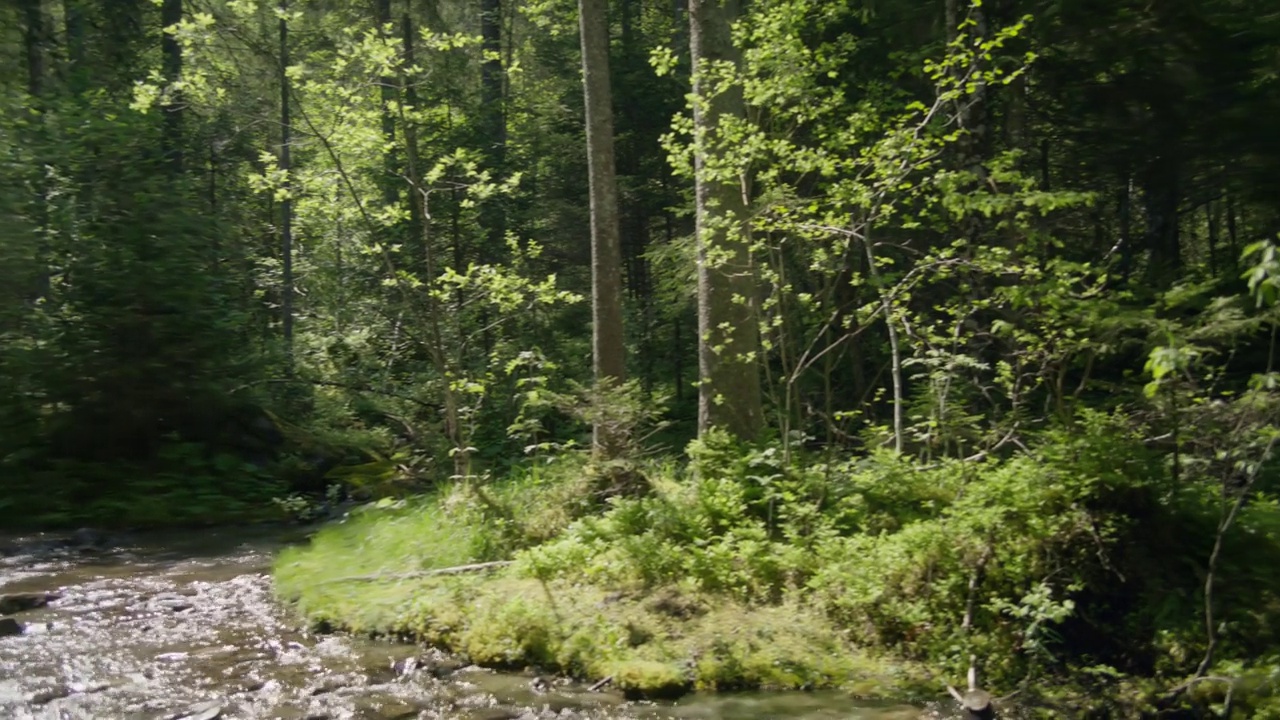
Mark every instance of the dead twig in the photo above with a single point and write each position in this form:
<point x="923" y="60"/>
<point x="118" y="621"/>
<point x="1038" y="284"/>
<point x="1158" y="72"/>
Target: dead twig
<point x="599" y="685"/>
<point x="455" y="570"/>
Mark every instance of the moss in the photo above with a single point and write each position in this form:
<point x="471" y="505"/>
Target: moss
<point x="654" y="644"/>
<point x="657" y="639"/>
<point x="650" y="679"/>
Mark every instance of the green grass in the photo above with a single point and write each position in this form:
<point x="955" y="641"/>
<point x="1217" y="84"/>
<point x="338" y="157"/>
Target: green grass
<point x="747" y="571"/>
<point x="658" y="640"/>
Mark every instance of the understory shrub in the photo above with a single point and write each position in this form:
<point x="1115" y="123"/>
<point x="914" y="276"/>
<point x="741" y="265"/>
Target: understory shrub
<point x="1020" y="561"/>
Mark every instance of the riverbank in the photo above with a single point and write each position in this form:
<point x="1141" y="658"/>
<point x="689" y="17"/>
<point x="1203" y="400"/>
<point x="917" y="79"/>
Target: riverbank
<point x="1061" y="573"/>
<point x="877" y="577"/>
<point x="181" y="624"/>
<point x="380" y="572"/>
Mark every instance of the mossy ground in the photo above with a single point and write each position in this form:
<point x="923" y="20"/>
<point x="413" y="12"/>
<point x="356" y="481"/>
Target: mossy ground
<point x="653" y="641"/>
<point x="825" y="577"/>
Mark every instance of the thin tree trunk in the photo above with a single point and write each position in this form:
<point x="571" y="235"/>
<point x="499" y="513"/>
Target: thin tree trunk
<point x="677" y="345"/>
<point x="387" y="96"/>
<point x="34" y="38"/>
<point x="895" y="348"/>
<point x="1125" y="210"/>
<point x="1160" y="197"/>
<point x="74" y="24"/>
<point x="1211" y="230"/>
<point x="171" y="50"/>
<point x="493" y="125"/>
<point x="286" y="205"/>
<point x="729" y="393"/>
<point x="1232" y="239"/>
<point x="608" y="348"/>
<point x="409" y="96"/>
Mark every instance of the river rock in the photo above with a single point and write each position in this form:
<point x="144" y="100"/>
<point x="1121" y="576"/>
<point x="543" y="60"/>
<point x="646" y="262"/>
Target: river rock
<point x="44" y="697"/>
<point x="9" y="626"/>
<point x="17" y="602"/>
<point x="405" y="666"/>
<point x="441" y="667"/>
<point x="87" y="540"/>
<point x="200" y="711"/>
<point x="977" y="705"/>
<point x="173" y="603"/>
<point x="332" y="683"/>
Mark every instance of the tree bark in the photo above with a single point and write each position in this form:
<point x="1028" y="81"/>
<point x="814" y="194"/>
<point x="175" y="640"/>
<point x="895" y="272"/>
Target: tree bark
<point x="729" y="395"/>
<point x="387" y="96"/>
<point x="74" y="24"/>
<point x="170" y="15"/>
<point x="607" y="341"/>
<point x="35" y="40"/>
<point x="493" y="124"/>
<point x="286" y="205"/>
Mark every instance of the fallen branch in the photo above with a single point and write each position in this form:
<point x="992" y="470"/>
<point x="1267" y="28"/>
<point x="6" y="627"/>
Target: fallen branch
<point x="1176" y="691"/>
<point x="340" y="385"/>
<point x="455" y="570"/>
<point x="600" y="684"/>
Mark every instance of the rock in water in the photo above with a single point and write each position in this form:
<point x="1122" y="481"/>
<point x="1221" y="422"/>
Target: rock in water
<point x="17" y="602"/>
<point x="9" y="626"/>
<point x="87" y="539"/>
<point x="201" y="711"/>
<point x="977" y="705"/>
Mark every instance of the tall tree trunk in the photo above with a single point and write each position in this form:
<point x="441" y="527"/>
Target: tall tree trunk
<point x="1233" y="247"/>
<point x="34" y="38"/>
<point x="74" y="23"/>
<point x="493" y="124"/>
<point x="121" y="24"/>
<point x="1160" y="197"/>
<point x="387" y="92"/>
<point x="1125" y="210"/>
<point x="607" y="342"/>
<point x="171" y="15"/>
<point x="729" y="395"/>
<point x="286" y="205"/>
<point x="1211" y="233"/>
<point x="409" y="96"/>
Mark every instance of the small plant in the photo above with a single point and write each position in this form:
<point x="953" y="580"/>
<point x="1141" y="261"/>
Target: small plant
<point x="298" y="507"/>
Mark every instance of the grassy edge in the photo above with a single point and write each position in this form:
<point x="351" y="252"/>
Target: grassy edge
<point x="654" y="643"/>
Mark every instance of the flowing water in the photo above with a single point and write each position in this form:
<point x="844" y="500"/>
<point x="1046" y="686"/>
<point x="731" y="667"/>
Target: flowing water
<point x="167" y="627"/>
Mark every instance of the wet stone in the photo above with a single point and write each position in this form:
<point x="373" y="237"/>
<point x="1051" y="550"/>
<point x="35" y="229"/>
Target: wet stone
<point x="83" y="688"/>
<point x="332" y="683"/>
<point x="48" y="695"/>
<point x="19" y="602"/>
<point x="497" y="713"/>
<point x="201" y="711"/>
<point x="9" y="626"/>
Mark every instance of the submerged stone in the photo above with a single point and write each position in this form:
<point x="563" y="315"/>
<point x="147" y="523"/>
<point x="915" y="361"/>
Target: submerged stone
<point x="9" y="626"/>
<point x="977" y="705"/>
<point x="18" y="602"/>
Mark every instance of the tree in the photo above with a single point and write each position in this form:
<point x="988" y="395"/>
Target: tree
<point x="729" y="395"/>
<point x="286" y="205"/>
<point x="607" y="345"/>
<point x="170" y="16"/>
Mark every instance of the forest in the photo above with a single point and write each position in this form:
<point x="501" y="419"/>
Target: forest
<point x="909" y="338"/>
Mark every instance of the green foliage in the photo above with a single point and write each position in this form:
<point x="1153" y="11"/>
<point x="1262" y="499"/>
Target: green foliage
<point x="1018" y="315"/>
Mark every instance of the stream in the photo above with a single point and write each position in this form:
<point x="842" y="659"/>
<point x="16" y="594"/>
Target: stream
<point x="169" y="626"/>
